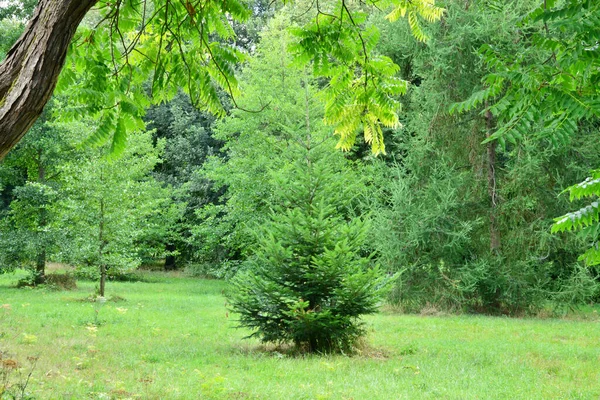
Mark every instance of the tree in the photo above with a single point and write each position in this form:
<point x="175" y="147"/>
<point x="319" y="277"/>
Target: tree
<point x="460" y="239"/>
<point x="28" y="236"/>
<point x="111" y="204"/>
<point x="189" y="142"/>
<point x="32" y="183"/>
<point x="10" y="31"/>
<point x="257" y="146"/>
<point x="552" y="84"/>
<point x="132" y="41"/>
<point x="30" y="71"/>
<point x="308" y="283"/>
<point x="19" y="9"/>
<point x="550" y="91"/>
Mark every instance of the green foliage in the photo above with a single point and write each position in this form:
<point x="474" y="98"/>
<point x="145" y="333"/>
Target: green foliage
<point x="363" y="87"/>
<point x="17" y="9"/>
<point x="13" y="14"/>
<point x="308" y="283"/>
<point x="414" y="11"/>
<point x="174" y="43"/>
<point x="112" y="206"/>
<point x="464" y="224"/>
<point x="433" y="210"/>
<point x="189" y="142"/>
<point x="586" y="218"/>
<point x="32" y="190"/>
<point x="257" y="147"/>
<point x="546" y="88"/>
<point x="10" y="30"/>
<point x="549" y="90"/>
<point x="32" y="201"/>
<point x="192" y="46"/>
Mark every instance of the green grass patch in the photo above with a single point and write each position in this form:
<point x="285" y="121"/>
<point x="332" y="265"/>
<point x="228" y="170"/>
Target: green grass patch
<point x="170" y="337"/>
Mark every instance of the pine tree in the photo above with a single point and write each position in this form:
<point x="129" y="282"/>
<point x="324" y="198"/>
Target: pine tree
<point x="309" y="283"/>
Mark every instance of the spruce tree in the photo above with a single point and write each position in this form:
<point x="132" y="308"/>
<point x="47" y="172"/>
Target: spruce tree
<point x="309" y="283"/>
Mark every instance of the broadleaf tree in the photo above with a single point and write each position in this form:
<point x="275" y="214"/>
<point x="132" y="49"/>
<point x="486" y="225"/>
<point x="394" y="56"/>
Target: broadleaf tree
<point x="111" y="204"/>
<point x="587" y="218"/>
<point x="31" y="176"/>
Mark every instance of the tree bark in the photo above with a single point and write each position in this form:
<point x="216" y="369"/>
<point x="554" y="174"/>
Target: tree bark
<point x="101" y="245"/>
<point x="491" y="180"/>
<point x="30" y="71"/>
<point x="40" y="267"/>
<point x="102" y="280"/>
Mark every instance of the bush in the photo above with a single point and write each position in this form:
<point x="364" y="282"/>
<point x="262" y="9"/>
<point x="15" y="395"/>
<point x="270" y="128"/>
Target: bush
<point x="217" y="270"/>
<point x="308" y="283"/>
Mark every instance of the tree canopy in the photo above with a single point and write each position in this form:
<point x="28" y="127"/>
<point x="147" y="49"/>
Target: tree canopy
<point x="192" y="45"/>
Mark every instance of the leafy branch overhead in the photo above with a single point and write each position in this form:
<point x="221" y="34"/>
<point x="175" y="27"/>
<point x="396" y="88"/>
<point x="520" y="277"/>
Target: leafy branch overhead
<point x="546" y="89"/>
<point x="192" y="45"/>
<point x="586" y="218"/>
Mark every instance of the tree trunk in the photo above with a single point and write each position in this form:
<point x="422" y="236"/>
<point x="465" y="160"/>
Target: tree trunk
<point x="170" y="264"/>
<point x="491" y="183"/>
<point x="30" y="71"/>
<point x="101" y="245"/>
<point x="102" y="280"/>
<point x="40" y="267"/>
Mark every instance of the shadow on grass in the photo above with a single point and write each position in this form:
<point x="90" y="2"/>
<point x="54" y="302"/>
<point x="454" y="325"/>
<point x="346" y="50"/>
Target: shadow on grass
<point x="284" y="350"/>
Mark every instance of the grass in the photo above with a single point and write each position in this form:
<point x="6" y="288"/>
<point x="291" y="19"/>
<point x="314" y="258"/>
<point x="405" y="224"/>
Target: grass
<point x="171" y="338"/>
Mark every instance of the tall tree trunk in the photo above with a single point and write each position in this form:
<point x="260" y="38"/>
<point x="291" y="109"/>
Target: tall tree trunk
<point x="40" y="267"/>
<point x="30" y="71"/>
<point x="491" y="183"/>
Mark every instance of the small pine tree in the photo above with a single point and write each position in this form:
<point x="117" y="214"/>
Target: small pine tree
<point x="309" y="284"/>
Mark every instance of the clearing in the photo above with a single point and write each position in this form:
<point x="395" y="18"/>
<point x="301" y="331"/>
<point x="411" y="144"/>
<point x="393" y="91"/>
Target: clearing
<point x="171" y="337"/>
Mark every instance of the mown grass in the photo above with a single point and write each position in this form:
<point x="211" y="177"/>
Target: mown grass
<point x="172" y="339"/>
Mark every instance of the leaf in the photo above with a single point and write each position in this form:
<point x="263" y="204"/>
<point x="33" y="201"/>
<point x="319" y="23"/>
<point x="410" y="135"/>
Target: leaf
<point x="119" y="140"/>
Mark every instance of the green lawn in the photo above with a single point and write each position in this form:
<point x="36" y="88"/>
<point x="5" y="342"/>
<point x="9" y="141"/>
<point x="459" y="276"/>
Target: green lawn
<point x="171" y="338"/>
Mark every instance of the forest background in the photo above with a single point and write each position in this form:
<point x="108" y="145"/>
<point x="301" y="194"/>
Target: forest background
<point x="463" y="222"/>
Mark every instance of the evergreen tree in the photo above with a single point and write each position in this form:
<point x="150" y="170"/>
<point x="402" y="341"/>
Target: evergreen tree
<point x="256" y="147"/>
<point x="309" y="283"/>
<point x="466" y="222"/>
